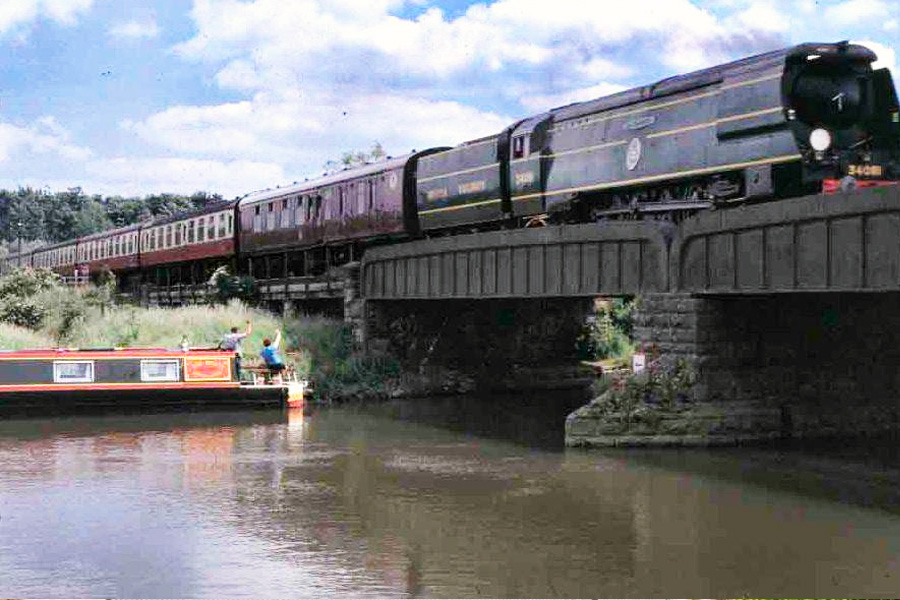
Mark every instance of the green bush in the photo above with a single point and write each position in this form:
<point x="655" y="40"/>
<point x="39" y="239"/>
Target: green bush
<point x="608" y="335"/>
<point x="23" y="312"/>
<point x="233" y="287"/>
<point x="336" y="367"/>
<point x="23" y="283"/>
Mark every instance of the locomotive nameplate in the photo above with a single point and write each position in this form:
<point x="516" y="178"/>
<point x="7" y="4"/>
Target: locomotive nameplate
<point x="865" y="170"/>
<point x="436" y="194"/>
<point x="473" y="187"/>
<point x="639" y="123"/>
<point x="525" y="178"/>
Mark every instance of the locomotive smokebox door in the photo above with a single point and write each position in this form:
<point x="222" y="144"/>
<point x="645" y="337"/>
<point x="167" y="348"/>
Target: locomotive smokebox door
<point x="758" y="182"/>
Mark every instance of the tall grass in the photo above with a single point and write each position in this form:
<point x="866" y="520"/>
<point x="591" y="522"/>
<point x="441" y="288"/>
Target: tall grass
<point x="318" y="348"/>
<point x="13" y="337"/>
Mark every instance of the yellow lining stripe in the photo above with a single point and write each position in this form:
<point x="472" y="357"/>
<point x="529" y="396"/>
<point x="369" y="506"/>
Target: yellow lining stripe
<point x="650" y="178"/>
<point x="636" y="111"/>
<point x="458" y="207"/>
<point x="462" y="172"/>
<point x="625" y="114"/>
<point x="465" y="146"/>
<point x="750" y="115"/>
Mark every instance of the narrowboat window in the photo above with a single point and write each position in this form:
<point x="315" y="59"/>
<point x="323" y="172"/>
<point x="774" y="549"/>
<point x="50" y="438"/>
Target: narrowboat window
<point x="71" y="371"/>
<point x="160" y="370"/>
<point x="201" y="229"/>
<point x="519" y="146"/>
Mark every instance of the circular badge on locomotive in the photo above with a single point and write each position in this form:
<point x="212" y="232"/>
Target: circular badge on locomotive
<point x="633" y="155"/>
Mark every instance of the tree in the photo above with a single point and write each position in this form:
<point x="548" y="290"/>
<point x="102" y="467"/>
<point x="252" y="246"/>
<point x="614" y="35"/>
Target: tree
<point x="348" y="160"/>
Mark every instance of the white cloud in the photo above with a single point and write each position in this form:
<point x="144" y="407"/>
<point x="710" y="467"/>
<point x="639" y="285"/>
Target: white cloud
<point x="887" y="57"/>
<point x="134" y="30"/>
<point x="42" y="138"/>
<point x="323" y="77"/>
<point x="543" y="103"/>
<point x="141" y="176"/>
<point x="305" y="132"/>
<point x="858" y="11"/>
<point x="14" y="13"/>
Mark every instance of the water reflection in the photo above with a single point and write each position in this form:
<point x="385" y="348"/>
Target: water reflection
<point x="393" y="501"/>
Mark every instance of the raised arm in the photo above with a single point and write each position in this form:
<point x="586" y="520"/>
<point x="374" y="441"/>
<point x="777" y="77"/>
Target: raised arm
<point x="249" y="329"/>
<point x="277" y="339"/>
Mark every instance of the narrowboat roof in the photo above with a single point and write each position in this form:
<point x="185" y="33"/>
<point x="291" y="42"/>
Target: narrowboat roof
<point x="111" y="352"/>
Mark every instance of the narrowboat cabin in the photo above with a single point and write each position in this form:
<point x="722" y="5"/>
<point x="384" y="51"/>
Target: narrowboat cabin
<point x="48" y="381"/>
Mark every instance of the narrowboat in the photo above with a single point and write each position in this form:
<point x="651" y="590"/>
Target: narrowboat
<point x="68" y="380"/>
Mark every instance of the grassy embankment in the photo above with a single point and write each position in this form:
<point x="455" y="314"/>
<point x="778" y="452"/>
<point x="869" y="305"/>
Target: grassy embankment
<point x="35" y="311"/>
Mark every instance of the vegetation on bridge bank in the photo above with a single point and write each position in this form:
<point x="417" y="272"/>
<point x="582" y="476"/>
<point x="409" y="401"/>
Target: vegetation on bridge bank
<point x="37" y="311"/>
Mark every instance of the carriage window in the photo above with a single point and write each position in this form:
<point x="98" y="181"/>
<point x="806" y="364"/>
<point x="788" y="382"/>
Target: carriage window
<point x="190" y="231"/>
<point x="177" y="233"/>
<point x="221" y="221"/>
<point x="285" y="213"/>
<point x="371" y="195"/>
<point x="73" y="371"/>
<point x="160" y="370"/>
<point x="519" y="146"/>
<point x="270" y="216"/>
<point x="340" y="201"/>
<point x="201" y="229"/>
<point x="230" y="223"/>
<point x="298" y="210"/>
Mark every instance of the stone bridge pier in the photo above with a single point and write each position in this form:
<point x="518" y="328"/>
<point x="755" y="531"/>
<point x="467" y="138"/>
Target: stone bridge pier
<point x="765" y="367"/>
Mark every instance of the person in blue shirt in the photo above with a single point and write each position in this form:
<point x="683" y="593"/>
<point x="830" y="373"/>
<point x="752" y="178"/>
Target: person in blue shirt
<point x="270" y="353"/>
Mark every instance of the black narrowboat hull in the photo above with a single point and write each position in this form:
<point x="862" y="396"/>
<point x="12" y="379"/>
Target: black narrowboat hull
<point x="60" y="402"/>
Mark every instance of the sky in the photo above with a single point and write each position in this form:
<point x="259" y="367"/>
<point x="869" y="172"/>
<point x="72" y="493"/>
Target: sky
<point x="137" y="97"/>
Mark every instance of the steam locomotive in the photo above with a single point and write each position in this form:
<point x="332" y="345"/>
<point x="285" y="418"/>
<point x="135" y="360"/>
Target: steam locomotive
<point x="801" y="120"/>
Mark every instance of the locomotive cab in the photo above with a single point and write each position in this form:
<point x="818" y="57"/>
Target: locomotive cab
<point x="844" y="115"/>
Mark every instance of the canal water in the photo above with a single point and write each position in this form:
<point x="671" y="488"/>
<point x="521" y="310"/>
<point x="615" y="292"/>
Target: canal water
<point x="439" y="498"/>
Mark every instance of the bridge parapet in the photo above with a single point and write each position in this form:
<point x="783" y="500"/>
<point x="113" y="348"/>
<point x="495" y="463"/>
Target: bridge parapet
<point x="620" y="258"/>
<point x="841" y="243"/>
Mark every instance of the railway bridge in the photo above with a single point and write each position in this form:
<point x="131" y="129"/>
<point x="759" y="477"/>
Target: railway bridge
<point x="788" y="313"/>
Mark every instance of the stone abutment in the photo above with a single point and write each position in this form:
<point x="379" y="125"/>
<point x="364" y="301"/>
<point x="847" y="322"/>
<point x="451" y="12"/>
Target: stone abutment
<point x="763" y="367"/>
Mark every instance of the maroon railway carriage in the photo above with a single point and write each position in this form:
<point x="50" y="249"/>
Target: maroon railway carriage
<point x="114" y="250"/>
<point x="207" y="233"/>
<point x="61" y="257"/>
<point x="328" y="219"/>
